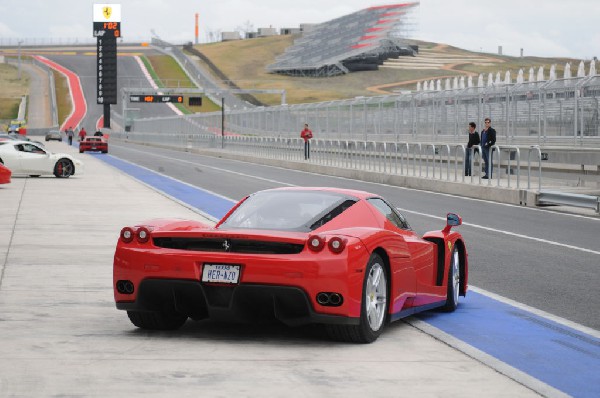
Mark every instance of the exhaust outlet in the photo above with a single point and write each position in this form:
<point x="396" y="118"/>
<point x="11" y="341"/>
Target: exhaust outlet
<point x="335" y="299"/>
<point x="125" y="287"/>
<point x="330" y="299"/>
<point x="323" y="298"/>
<point x="128" y="287"/>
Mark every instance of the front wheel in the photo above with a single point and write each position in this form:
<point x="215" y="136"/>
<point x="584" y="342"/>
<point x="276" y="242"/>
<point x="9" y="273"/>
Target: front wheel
<point x="64" y="168"/>
<point x="453" y="283"/>
<point x="156" y="320"/>
<point x="373" y="307"/>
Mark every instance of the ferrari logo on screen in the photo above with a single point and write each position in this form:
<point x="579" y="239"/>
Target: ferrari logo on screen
<point x="107" y="12"/>
<point x="449" y="245"/>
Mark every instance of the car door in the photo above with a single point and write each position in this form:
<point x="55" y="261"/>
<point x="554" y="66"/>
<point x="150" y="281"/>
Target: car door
<point x="10" y="156"/>
<point x="404" y="281"/>
<point x="33" y="159"/>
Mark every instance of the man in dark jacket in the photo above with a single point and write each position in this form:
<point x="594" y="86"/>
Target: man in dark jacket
<point x="473" y="140"/>
<point x="488" y="139"/>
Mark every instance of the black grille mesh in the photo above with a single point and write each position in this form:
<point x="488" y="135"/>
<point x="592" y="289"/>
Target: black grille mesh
<point x="228" y="245"/>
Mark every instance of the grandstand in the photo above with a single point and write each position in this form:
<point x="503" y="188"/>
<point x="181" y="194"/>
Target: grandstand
<point x="359" y="41"/>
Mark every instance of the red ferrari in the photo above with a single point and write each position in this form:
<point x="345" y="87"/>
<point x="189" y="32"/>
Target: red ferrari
<point x="343" y="258"/>
<point x="93" y="143"/>
<point x="5" y="174"/>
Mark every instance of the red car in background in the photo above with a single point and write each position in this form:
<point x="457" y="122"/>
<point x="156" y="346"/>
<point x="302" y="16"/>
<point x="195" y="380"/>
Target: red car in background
<point x="5" y="174"/>
<point x="94" y="143"/>
<point x="343" y="258"/>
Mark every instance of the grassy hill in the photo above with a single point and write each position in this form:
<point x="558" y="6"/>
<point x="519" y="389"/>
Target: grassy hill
<point x="244" y="63"/>
<point x="12" y="89"/>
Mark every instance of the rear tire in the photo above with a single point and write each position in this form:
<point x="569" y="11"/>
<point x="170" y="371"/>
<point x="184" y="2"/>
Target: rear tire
<point x="453" y="283"/>
<point x="374" y="307"/>
<point x="156" y="320"/>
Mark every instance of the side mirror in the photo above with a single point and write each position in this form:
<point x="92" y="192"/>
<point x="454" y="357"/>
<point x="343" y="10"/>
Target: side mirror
<point x="452" y="220"/>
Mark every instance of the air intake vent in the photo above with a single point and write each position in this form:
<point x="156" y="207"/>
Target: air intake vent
<point x="228" y="245"/>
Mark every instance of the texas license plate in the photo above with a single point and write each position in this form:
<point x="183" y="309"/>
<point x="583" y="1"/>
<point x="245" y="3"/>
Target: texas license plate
<point x="221" y="273"/>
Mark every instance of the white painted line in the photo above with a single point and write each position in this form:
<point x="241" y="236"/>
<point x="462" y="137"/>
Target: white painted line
<point x="213" y="168"/>
<point x="499" y="231"/>
<point x="153" y="84"/>
<point x="513" y="234"/>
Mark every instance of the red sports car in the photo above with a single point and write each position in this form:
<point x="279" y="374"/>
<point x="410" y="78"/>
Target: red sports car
<point x="5" y="174"/>
<point x="93" y="143"/>
<point x="343" y="258"/>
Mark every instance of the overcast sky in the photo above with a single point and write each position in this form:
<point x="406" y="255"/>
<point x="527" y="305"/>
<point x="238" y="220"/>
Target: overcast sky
<point x="556" y="28"/>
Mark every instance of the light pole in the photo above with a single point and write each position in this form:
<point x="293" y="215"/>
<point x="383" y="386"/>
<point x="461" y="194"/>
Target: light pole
<point x="19" y="42"/>
<point x="222" y="122"/>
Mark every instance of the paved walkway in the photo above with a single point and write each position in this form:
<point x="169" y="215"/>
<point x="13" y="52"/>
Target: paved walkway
<point x="39" y="107"/>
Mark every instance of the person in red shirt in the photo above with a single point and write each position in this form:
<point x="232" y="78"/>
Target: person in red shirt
<point x="306" y="135"/>
<point x="82" y="134"/>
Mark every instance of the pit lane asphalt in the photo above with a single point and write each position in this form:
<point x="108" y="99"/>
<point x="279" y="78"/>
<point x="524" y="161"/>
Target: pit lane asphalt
<point x="62" y="336"/>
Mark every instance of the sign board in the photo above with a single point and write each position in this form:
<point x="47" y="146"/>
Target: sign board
<point x="107" y="27"/>
<point x="152" y="98"/>
<point x="107" y="20"/>
<point x="195" y="101"/>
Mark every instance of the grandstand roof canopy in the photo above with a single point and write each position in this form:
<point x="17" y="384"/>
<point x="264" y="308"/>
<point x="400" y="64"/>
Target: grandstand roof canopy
<point x="328" y="48"/>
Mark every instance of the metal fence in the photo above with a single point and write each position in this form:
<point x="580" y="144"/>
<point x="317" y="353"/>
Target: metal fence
<point x="555" y="112"/>
<point x="445" y="162"/>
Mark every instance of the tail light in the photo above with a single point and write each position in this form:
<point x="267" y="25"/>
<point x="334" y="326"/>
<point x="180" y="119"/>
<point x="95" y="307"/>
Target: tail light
<point x="336" y="244"/>
<point x="127" y="235"/>
<point x="316" y="243"/>
<point x="143" y="234"/>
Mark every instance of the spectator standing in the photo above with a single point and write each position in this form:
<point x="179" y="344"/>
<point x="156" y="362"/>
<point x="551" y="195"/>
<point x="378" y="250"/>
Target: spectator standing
<point x="82" y="134"/>
<point x="473" y="140"/>
<point x="70" y="135"/>
<point x="488" y="139"/>
<point x="306" y="135"/>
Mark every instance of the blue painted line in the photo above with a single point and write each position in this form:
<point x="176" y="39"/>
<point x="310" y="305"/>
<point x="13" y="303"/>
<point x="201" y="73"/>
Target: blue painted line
<point x="198" y="198"/>
<point x="562" y="357"/>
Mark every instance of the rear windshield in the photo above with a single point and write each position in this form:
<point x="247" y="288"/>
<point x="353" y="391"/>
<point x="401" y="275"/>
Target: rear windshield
<point x="301" y="211"/>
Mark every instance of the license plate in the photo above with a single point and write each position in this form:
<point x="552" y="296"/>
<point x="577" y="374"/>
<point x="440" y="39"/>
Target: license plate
<point x="221" y="273"/>
<point x="93" y="147"/>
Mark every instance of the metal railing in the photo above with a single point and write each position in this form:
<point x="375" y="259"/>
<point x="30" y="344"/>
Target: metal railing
<point x="548" y="197"/>
<point x="425" y="160"/>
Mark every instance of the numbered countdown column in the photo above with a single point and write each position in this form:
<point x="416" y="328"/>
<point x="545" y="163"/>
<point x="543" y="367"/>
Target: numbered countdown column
<point x="107" y="70"/>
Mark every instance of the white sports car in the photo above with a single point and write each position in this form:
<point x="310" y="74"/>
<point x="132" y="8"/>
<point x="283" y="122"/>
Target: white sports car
<point x="28" y="158"/>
